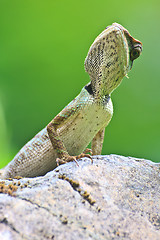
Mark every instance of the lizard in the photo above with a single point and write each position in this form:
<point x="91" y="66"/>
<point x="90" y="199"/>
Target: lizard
<point x="84" y="119"/>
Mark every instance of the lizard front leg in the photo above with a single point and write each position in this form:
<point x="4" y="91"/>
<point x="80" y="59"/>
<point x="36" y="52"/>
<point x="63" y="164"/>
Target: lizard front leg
<point x="57" y="143"/>
<point x="97" y="142"/>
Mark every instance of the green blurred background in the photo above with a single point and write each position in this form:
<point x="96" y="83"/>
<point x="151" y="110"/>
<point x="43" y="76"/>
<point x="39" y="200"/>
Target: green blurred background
<point x="43" y="45"/>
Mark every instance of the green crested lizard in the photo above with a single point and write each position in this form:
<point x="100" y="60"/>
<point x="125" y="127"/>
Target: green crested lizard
<point x="84" y="119"/>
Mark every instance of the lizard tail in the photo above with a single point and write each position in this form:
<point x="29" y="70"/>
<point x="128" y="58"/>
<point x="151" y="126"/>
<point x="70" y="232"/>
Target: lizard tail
<point x="1" y="173"/>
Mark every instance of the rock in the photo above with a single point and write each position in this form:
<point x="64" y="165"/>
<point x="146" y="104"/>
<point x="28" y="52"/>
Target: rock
<point x="116" y="197"/>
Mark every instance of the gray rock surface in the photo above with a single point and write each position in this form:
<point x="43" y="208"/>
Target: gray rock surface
<point x="116" y="197"/>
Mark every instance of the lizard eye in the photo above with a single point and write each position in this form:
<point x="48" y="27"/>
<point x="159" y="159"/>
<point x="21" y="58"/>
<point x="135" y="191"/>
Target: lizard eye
<point x="135" y="52"/>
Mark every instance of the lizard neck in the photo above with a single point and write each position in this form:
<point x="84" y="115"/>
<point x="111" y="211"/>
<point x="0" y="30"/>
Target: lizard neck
<point x="104" y="99"/>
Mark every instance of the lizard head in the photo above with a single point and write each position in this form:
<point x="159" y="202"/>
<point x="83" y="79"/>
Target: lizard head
<point x="133" y="46"/>
<point x="110" y="58"/>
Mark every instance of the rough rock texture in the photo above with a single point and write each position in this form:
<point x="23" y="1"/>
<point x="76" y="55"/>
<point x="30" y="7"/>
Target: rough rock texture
<point x="114" y="198"/>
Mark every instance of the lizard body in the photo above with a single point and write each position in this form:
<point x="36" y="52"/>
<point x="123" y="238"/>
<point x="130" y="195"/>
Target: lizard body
<point x="83" y="120"/>
<point x="40" y="148"/>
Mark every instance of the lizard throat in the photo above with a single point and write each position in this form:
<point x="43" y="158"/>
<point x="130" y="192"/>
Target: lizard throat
<point x="107" y="82"/>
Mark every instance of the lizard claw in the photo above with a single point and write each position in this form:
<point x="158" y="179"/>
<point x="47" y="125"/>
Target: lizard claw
<point x="73" y="158"/>
<point x="84" y="155"/>
<point x="66" y="159"/>
<point x="88" y="150"/>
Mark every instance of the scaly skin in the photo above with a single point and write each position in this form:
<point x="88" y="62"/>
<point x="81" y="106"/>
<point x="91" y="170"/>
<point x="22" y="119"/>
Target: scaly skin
<point x="109" y="59"/>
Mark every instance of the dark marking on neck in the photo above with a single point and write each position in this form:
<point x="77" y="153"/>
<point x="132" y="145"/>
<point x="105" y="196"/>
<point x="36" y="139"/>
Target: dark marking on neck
<point x="88" y="87"/>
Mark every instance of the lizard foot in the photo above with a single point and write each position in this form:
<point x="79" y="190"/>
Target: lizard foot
<point x="88" y="150"/>
<point x="84" y="155"/>
<point x="66" y="159"/>
<point x="73" y="158"/>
